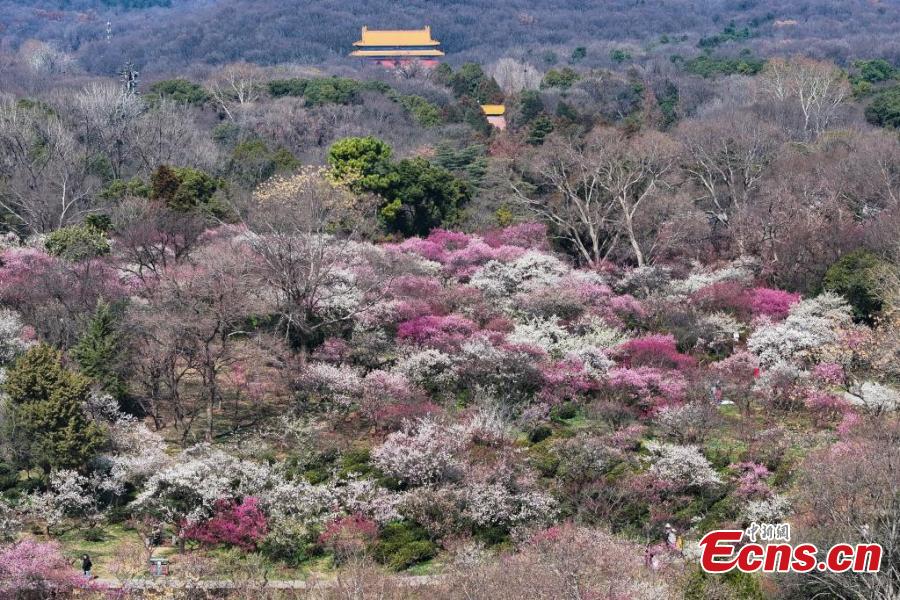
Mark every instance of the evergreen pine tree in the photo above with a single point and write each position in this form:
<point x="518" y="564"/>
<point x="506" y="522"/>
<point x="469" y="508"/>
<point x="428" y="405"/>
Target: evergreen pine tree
<point x="99" y="352"/>
<point x="48" y="422"/>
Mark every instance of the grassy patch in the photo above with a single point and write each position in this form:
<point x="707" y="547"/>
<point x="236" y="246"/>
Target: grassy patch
<point x="114" y="541"/>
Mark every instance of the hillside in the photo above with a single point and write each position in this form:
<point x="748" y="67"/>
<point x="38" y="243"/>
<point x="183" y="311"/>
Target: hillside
<point x="183" y="32"/>
<point x="531" y="320"/>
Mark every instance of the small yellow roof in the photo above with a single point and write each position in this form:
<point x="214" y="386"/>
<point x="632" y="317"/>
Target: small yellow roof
<point x="396" y="37"/>
<point x="493" y="110"/>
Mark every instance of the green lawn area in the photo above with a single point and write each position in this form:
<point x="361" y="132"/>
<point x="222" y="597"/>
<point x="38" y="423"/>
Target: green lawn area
<point x="116" y="540"/>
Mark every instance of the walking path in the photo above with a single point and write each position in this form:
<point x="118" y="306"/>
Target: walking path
<point x="278" y="584"/>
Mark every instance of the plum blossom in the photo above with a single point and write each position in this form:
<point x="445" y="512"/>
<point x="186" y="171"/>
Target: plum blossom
<point x="30" y="568"/>
<point x="339" y="385"/>
<point x="810" y="324"/>
<point x="12" y="341"/>
<point x="653" y="351"/>
<point x="187" y="491"/>
<point x="423" y="452"/>
<point x="9" y="522"/>
<point x="683" y="466"/>
<point x="773" y="509"/>
<point x="496" y="504"/>
<point x="69" y="495"/>
<point x="771" y="303"/>
<point x="441" y="332"/>
<point x="530" y="271"/>
<point x="874" y="397"/>
<point x="649" y="387"/>
<point x="429" y="368"/>
<point x="741" y="271"/>
<point x="547" y="334"/>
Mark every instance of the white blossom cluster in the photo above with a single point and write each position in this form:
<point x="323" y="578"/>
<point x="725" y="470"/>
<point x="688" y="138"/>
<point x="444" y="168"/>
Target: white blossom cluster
<point x="643" y="281"/>
<point x="428" y="367"/>
<point x="810" y="325"/>
<point x="874" y="397"/>
<point x="496" y="504"/>
<point x="532" y="270"/>
<point x="421" y="453"/>
<point x="769" y="510"/>
<point x="684" y="466"/>
<point x="306" y="504"/>
<point x="593" y="332"/>
<point x="9" y="522"/>
<point x="741" y="270"/>
<point x="69" y="495"/>
<point x="339" y="385"/>
<point x="340" y="296"/>
<point x="200" y="476"/>
<point x="487" y="426"/>
<point x="543" y="333"/>
<point x="716" y="332"/>
<point x="11" y="342"/>
<point x="135" y="453"/>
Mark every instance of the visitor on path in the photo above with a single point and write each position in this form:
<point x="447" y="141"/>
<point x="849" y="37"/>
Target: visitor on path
<point x="672" y="540"/>
<point x="86" y="565"/>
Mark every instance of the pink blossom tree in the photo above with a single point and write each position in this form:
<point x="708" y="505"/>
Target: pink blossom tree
<point x="32" y="569"/>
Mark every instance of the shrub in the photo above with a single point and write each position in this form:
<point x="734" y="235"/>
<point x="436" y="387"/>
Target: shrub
<point x="647" y="388"/>
<point x="810" y="325"/>
<point x="403" y="544"/>
<point x="423" y="452"/>
<point x="424" y="112"/>
<point x="441" y="332"/>
<point x="77" y="242"/>
<point x="185" y="189"/>
<point x="178" y="90"/>
<point x="561" y="78"/>
<point x="682" y="466"/>
<point x="708" y="66"/>
<point x="348" y="536"/>
<point x="323" y="90"/>
<point x="855" y="277"/>
<point x="884" y="110"/>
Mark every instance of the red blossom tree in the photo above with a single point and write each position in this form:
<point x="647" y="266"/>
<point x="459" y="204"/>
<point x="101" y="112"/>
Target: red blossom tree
<point x="240" y="524"/>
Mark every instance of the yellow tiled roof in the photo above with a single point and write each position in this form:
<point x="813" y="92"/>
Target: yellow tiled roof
<point x="426" y="52"/>
<point x="396" y="37"/>
<point x="493" y="110"/>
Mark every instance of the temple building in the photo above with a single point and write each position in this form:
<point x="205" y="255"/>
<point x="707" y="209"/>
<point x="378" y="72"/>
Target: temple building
<point x="495" y="114"/>
<point x="398" y="47"/>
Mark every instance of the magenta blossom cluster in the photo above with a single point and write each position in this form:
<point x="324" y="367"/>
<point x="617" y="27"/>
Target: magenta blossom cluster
<point x="657" y="350"/>
<point x="240" y="524"/>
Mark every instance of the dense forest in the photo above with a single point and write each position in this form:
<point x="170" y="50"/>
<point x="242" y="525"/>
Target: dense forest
<point x="270" y="315"/>
<point x="162" y="35"/>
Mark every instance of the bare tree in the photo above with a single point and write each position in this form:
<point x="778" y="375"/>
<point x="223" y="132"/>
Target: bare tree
<point x="591" y="190"/>
<point x="513" y="76"/>
<point x="236" y="85"/>
<point x="169" y="135"/>
<point x="817" y="89"/>
<point x="45" y="176"/>
<point x="727" y="156"/>
<point x="309" y="258"/>
<point x="106" y="117"/>
<point x="853" y="495"/>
